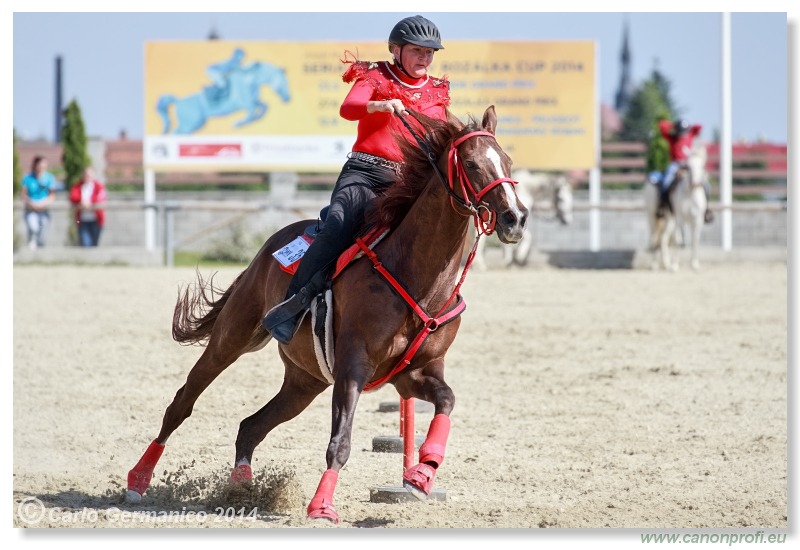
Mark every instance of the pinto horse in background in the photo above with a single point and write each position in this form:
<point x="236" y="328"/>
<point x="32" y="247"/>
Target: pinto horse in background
<point x="688" y="204"/>
<point x="538" y="191"/>
<point x="374" y="321"/>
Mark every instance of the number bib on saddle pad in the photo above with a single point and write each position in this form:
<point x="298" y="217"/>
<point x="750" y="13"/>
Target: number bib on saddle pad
<point x="289" y="256"/>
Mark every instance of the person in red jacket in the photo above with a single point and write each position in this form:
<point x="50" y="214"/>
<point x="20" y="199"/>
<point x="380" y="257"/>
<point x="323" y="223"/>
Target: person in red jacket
<point x="380" y="92"/>
<point x="680" y="136"/>
<point x="89" y="196"/>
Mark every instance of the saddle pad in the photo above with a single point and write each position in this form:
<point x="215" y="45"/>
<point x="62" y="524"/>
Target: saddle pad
<point x="322" y="333"/>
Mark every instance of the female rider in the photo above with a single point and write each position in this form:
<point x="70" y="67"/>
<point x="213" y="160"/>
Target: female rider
<point x="380" y="91"/>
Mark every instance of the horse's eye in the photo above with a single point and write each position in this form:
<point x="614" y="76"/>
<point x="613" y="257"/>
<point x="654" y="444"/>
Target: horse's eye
<point x="471" y="164"/>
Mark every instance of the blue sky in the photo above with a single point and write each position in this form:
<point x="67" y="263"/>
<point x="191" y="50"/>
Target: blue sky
<point x="103" y="61"/>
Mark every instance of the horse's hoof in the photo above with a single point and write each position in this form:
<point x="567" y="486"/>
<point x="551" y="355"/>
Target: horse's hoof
<point x="418" y="480"/>
<point x="415" y="491"/>
<point x="132" y="497"/>
<point x="242" y="474"/>
<point x="322" y="510"/>
<point x="138" y="482"/>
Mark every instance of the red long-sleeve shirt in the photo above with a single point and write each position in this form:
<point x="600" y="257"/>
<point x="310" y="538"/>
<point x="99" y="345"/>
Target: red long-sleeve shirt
<point x="98" y="195"/>
<point x="679" y="147"/>
<point x="379" y="82"/>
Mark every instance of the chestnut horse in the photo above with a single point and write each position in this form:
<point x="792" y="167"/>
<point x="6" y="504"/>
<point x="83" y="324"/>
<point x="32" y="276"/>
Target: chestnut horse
<point x="375" y="322"/>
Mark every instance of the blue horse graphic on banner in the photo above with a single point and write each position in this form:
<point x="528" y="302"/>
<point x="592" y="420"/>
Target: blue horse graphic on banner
<point x="235" y="87"/>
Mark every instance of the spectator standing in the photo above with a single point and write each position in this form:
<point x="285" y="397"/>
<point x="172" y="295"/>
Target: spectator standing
<point x="89" y="195"/>
<point x="38" y="193"/>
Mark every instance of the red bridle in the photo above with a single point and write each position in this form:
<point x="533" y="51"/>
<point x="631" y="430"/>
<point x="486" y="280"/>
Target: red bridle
<point x="485" y="217"/>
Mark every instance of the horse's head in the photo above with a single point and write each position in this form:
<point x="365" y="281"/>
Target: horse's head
<point x="562" y="199"/>
<point x="274" y="77"/>
<point x="696" y="164"/>
<point x="479" y="168"/>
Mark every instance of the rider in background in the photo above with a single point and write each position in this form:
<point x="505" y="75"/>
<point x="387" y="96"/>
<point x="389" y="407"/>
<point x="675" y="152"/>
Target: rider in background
<point x="219" y="74"/>
<point x="680" y="136"/>
<point x="381" y="90"/>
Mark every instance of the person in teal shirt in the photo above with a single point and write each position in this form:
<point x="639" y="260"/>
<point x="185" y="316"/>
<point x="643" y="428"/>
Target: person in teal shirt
<point x="38" y="194"/>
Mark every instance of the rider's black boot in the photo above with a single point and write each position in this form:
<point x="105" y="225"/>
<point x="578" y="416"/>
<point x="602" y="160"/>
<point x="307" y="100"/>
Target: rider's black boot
<point x="663" y="203"/>
<point x="283" y="320"/>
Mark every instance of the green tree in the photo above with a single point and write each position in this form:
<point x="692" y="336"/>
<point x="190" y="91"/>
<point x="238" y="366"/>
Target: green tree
<point x="646" y="106"/>
<point x="665" y="87"/>
<point x="73" y="137"/>
<point x="17" y="168"/>
<point x="658" y="147"/>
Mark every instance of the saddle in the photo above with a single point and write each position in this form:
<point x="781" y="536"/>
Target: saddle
<point x="217" y="93"/>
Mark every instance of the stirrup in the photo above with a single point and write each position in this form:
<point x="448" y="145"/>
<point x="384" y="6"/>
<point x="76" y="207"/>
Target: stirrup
<point x="283" y="319"/>
<point x="285" y="331"/>
<point x="286" y="310"/>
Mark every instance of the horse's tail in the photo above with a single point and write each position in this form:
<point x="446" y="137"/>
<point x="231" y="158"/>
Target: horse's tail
<point x="163" y="109"/>
<point x="196" y="310"/>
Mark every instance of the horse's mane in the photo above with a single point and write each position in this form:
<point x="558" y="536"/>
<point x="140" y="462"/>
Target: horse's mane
<point x="390" y="208"/>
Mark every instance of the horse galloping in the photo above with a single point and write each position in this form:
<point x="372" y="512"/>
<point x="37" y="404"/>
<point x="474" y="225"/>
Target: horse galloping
<point x="378" y="325"/>
<point x="687" y="207"/>
<point x="241" y="91"/>
<point x="537" y="191"/>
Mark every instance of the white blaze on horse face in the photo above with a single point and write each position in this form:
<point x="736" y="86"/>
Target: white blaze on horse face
<point x="511" y="197"/>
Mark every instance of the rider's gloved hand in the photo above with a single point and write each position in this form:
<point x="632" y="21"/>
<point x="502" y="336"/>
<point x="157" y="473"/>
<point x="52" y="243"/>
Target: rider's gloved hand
<point x="387" y="106"/>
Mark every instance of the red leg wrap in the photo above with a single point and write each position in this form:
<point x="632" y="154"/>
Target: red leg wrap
<point x="242" y="473"/>
<point x="321" y="506"/>
<point x="141" y="474"/>
<point x="432" y="450"/>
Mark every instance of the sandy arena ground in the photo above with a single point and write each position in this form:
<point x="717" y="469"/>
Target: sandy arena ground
<point x="585" y="399"/>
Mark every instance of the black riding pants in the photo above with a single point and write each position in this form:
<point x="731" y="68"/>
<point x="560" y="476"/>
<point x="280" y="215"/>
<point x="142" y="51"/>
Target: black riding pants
<point x="358" y="184"/>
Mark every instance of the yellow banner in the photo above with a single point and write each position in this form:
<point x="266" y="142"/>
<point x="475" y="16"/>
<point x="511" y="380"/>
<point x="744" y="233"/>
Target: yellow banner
<point x="261" y="105"/>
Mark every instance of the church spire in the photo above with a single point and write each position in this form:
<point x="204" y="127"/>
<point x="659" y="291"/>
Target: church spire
<point x="213" y="34"/>
<point x="625" y="89"/>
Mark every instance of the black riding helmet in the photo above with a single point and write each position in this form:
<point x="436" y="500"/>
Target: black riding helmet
<point x="416" y="30"/>
<point x="680" y="127"/>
